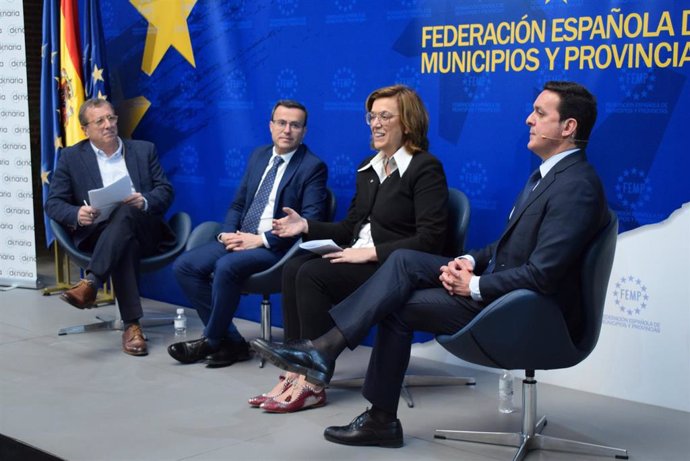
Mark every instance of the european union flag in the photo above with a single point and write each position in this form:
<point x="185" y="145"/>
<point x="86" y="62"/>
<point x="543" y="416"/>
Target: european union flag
<point x="96" y="84"/>
<point x="51" y="125"/>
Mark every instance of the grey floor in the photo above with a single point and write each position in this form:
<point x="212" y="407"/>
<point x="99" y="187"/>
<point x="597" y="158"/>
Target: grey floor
<point x="80" y="398"/>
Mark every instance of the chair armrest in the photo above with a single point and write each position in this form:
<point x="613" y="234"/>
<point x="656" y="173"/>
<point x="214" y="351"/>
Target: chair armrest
<point x="203" y="233"/>
<point x="63" y="238"/>
<point x="270" y="280"/>
<point x="181" y="225"/>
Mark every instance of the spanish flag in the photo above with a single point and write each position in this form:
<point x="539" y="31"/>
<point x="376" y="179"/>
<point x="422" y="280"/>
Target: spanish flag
<point x="71" y="80"/>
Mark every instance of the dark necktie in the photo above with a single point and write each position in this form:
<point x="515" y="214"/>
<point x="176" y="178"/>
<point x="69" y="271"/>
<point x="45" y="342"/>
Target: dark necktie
<point x="250" y="223"/>
<point x="532" y="182"/>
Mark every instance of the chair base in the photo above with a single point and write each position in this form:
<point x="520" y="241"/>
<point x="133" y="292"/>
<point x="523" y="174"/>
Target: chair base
<point x="110" y="322"/>
<point x="525" y="443"/>
<point x="265" y="323"/>
<point x="530" y="437"/>
<point x="411" y="381"/>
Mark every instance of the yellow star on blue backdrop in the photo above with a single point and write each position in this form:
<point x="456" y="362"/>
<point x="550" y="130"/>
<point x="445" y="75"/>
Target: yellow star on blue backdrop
<point x="167" y="27"/>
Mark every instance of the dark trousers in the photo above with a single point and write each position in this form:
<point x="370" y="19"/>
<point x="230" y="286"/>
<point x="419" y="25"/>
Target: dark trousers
<point x="311" y="286"/>
<point x="211" y="278"/>
<point x="404" y="295"/>
<point x="117" y="245"/>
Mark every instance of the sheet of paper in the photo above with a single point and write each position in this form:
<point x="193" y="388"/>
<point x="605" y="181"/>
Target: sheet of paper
<point x="321" y="247"/>
<point x="107" y="198"/>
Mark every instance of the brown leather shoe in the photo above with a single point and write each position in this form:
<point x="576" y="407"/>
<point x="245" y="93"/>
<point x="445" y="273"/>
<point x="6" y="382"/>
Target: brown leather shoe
<point x="133" y="342"/>
<point x="82" y="295"/>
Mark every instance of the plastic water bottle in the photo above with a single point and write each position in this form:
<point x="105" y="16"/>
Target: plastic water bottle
<point x="505" y="392"/>
<point x="180" y="323"/>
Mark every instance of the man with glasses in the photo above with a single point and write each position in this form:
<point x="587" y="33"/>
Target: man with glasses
<point x="283" y="174"/>
<point x="134" y="229"/>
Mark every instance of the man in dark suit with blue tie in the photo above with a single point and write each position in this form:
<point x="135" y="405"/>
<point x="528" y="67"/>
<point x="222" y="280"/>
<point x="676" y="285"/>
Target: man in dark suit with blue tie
<point x="284" y="174"/>
<point x="133" y="230"/>
<point x="559" y="212"/>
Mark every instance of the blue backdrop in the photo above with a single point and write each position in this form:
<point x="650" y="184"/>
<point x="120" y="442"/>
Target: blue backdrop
<point x="199" y="78"/>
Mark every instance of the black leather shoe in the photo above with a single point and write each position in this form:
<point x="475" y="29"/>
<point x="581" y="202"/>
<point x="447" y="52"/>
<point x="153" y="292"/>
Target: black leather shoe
<point x="364" y="430"/>
<point x="190" y="351"/>
<point x="299" y="357"/>
<point x="229" y="353"/>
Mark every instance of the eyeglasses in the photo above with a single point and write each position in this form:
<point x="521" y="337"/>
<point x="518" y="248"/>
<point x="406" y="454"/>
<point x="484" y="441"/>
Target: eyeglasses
<point x="283" y="123"/>
<point x="112" y="118"/>
<point x="384" y="117"/>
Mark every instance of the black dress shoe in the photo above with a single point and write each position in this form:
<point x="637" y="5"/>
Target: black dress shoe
<point x="190" y="351"/>
<point x="364" y="430"/>
<point x="228" y="353"/>
<point x="299" y="357"/>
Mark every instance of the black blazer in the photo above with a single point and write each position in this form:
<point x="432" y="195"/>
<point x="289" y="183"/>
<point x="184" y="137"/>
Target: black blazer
<point x="409" y="212"/>
<point x="77" y="172"/>
<point x="541" y="248"/>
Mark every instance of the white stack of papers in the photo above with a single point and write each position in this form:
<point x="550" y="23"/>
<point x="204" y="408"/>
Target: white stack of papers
<point x="321" y="247"/>
<point x="107" y="198"/>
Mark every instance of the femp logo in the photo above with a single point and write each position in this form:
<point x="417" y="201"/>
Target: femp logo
<point x="473" y="178"/>
<point x="189" y="160"/>
<point x="473" y="181"/>
<point x="236" y="85"/>
<point x="408" y="75"/>
<point x="234" y="163"/>
<point x="633" y="194"/>
<point x="344" y="83"/>
<point x="630" y="300"/>
<point x="636" y="84"/>
<point x="638" y="87"/>
<point x="235" y="92"/>
<point x="188" y="166"/>
<point x="476" y="88"/>
<point x="287" y="83"/>
<point x="630" y="295"/>
<point x="633" y="189"/>
<point x="342" y="172"/>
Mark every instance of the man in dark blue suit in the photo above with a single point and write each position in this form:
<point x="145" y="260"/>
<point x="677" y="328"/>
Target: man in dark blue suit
<point x="134" y="229"/>
<point x="559" y="212"/>
<point x="284" y="174"/>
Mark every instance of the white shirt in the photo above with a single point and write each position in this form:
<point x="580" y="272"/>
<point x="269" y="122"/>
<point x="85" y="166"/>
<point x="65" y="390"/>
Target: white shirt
<point x="113" y="167"/>
<point x="544" y="168"/>
<point x="399" y="161"/>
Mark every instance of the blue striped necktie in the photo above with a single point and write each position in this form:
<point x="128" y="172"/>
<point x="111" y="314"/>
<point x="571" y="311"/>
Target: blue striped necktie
<point x="250" y="223"/>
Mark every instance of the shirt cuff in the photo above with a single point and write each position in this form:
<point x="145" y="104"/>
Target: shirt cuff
<point x="146" y="203"/>
<point x="265" y="240"/>
<point x="218" y="237"/>
<point x="470" y="258"/>
<point x="474" y="288"/>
